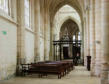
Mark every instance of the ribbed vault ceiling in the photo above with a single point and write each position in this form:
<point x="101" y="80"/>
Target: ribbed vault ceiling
<point x="55" y="5"/>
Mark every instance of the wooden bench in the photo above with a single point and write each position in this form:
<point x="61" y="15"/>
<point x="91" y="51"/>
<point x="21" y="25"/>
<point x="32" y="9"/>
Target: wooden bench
<point x="59" y="68"/>
<point x="46" y="69"/>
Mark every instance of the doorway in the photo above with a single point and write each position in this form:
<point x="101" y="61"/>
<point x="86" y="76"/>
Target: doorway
<point x="65" y="53"/>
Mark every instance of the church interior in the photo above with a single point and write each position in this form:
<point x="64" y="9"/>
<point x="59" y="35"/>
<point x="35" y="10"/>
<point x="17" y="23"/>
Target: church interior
<point x="54" y="41"/>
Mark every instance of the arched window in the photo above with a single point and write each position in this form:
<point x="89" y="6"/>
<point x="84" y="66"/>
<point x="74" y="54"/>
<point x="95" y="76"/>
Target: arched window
<point x="4" y="5"/>
<point x="74" y="38"/>
<point x="27" y="13"/>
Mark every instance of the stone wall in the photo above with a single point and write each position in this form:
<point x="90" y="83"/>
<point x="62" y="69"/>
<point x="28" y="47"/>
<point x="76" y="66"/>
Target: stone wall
<point x="8" y="48"/>
<point x="29" y="46"/>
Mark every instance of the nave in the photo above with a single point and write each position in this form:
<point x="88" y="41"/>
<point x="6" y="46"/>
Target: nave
<point x="34" y="31"/>
<point x="78" y="76"/>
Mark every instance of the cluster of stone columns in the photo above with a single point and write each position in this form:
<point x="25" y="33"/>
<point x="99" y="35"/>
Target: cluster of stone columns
<point x="105" y="42"/>
<point x="41" y="28"/>
<point x="99" y="38"/>
<point x="92" y="36"/>
<point x="42" y="31"/>
<point x="86" y="33"/>
<point x="37" y="30"/>
<point x="20" y="34"/>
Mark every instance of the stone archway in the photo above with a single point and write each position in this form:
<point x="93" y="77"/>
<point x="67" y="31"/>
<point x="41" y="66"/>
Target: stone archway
<point x="69" y="29"/>
<point x="59" y="4"/>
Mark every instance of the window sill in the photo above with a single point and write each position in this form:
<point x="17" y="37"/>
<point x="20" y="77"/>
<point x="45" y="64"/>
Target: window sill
<point x="5" y="16"/>
<point x="30" y="30"/>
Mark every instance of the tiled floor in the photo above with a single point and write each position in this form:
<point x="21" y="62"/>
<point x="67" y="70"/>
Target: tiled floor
<point x="78" y="76"/>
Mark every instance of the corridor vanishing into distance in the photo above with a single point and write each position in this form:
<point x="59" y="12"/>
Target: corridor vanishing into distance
<point x="78" y="76"/>
<point x="49" y="37"/>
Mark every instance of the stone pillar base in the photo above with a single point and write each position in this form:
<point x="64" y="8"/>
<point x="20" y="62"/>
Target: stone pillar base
<point x="105" y="74"/>
<point x="105" y="77"/>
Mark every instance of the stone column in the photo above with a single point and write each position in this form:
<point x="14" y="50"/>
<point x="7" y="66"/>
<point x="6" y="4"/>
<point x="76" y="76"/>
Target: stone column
<point x="51" y="42"/>
<point x="105" y="42"/>
<point x="88" y="32"/>
<point x="20" y="34"/>
<point x="37" y="30"/>
<point x="98" y="37"/>
<point x="92" y="36"/>
<point x="46" y="33"/>
<point x="82" y="41"/>
<point x="87" y="36"/>
<point x="85" y="42"/>
<point x="42" y="18"/>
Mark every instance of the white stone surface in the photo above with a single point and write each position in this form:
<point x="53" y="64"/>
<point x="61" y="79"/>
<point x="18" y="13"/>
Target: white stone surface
<point x="29" y="47"/>
<point x="8" y="48"/>
<point x="65" y="13"/>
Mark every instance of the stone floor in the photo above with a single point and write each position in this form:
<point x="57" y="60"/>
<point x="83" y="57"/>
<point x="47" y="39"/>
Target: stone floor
<point x="78" y="76"/>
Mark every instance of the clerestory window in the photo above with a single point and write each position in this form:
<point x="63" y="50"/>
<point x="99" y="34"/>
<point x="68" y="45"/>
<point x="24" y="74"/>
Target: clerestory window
<point x="4" y="5"/>
<point x="27" y="13"/>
